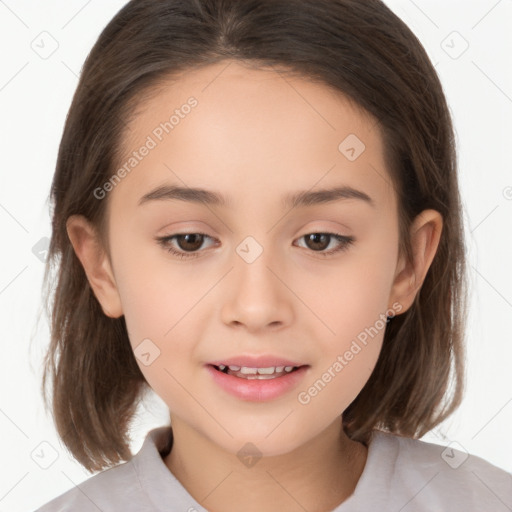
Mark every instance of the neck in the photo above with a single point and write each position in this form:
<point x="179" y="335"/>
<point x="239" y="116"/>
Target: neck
<point x="316" y="477"/>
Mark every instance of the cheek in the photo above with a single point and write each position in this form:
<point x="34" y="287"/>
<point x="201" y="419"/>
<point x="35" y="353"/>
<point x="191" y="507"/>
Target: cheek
<point x="159" y="302"/>
<point x="346" y="356"/>
<point x="352" y="306"/>
<point x="148" y="302"/>
<point x="353" y="294"/>
<point x="156" y="319"/>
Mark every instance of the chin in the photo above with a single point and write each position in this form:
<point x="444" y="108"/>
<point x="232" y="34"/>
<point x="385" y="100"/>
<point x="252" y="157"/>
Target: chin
<point x="270" y="442"/>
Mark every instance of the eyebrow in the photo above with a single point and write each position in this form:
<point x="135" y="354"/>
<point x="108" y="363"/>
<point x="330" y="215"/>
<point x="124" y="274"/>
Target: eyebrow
<point x="293" y="200"/>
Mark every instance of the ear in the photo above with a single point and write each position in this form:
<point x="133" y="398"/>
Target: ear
<point x="425" y="233"/>
<point x="94" y="259"/>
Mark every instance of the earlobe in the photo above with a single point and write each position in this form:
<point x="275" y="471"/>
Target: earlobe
<point x="94" y="259"/>
<point x="425" y="235"/>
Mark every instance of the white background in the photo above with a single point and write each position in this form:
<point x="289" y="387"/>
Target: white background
<point x="35" y="94"/>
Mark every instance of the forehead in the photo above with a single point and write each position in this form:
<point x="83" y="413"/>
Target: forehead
<point x="251" y="132"/>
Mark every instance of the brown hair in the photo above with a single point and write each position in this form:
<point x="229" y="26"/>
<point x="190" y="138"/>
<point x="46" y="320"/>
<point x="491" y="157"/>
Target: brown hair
<point x="361" y="49"/>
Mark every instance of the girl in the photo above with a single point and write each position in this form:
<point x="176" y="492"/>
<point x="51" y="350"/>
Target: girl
<point x="256" y="215"/>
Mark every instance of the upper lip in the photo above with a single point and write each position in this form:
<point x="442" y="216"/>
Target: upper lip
<point x="264" y="361"/>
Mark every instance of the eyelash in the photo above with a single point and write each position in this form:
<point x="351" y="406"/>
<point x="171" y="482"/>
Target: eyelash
<point x="345" y="241"/>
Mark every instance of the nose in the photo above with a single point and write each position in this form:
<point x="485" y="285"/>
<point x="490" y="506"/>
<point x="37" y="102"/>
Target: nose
<point x="256" y="294"/>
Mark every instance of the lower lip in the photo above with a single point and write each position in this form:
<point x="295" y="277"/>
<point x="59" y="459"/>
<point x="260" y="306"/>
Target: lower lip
<point x="256" y="390"/>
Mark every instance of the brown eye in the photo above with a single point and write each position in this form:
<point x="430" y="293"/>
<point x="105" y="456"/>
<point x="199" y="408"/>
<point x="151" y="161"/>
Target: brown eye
<point x="188" y="244"/>
<point x="189" y="241"/>
<point x="317" y="241"/>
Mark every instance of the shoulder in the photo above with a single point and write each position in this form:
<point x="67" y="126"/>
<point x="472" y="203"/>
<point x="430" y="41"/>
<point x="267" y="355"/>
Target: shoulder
<point x="142" y="484"/>
<point x="117" y="488"/>
<point x="428" y="476"/>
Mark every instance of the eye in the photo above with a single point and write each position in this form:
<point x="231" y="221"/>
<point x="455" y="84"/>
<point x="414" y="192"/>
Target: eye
<point x="319" y="239"/>
<point x="189" y="243"/>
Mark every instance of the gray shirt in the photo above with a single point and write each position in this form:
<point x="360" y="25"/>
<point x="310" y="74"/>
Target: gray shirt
<point x="401" y="474"/>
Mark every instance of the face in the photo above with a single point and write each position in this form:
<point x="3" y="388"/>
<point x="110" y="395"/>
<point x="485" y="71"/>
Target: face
<point x="258" y="276"/>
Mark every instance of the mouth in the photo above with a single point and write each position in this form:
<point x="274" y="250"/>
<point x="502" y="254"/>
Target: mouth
<point x="245" y="372"/>
<point x="259" y="382"/>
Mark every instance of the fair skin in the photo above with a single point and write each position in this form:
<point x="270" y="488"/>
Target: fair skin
<point x="254" y="138"/>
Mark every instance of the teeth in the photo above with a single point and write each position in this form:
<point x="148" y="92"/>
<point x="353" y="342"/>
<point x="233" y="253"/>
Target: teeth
<point x="248" y="371"/>
<point x="261" y="377"/>
<point x="261" y="371"/>
<point x="256" y="372"/>
<point x="266" y="371"/>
